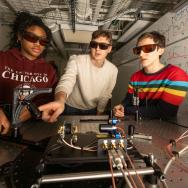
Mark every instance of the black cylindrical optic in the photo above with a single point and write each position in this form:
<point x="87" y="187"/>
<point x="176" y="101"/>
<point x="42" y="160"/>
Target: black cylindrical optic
<point x="131" y="129"/>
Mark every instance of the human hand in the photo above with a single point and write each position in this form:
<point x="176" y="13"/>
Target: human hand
<point x="52" y="110"/>
<point x="99" y="113"/>
<point x="4" y="122"/>
<point x="118" y="111"/>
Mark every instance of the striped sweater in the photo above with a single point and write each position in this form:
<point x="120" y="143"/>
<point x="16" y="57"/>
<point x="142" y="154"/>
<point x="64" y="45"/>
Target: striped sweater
<point x="158" y="95"/>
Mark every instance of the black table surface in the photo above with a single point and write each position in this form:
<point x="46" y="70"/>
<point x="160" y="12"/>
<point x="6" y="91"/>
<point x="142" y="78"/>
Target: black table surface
<point x="161" y="132"/>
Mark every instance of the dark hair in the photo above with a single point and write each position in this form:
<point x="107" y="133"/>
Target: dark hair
<point x="102" y="33"/>
<point x="23" y="21"/>
<point x="156" y="36"/>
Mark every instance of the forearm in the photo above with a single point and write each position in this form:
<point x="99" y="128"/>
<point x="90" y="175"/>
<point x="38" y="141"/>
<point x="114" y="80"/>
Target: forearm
<point x="61" y="97"/>
<point x="102" y="105"/>
<point x="4" y="122"/>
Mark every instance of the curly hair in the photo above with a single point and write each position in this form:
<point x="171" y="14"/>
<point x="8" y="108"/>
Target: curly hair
<point x="23" y="21"/>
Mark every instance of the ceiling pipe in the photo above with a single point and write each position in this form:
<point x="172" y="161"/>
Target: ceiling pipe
<point x="97" y="10"/>
<point x="57" y="16"/>
<point x="121" y="16"/>
<point x="83" y="10"/>
<point x="57" y="37"/>
<point x="73" y="16"/>
<point x="109" y="20"/>
<point x="116" y="6"/>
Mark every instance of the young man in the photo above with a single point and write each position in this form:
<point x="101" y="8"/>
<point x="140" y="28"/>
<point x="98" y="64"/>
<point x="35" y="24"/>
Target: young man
<point x="155" y="91"/>
<point x="87" y="83"/>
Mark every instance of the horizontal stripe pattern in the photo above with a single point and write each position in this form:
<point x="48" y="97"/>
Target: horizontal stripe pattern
<point x="169" y="85"/>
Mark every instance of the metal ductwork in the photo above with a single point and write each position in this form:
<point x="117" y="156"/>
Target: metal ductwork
<point x="115" y="8"/>
<point x="97" y="10"/>
<point x="57" y="37"/>
<point x="134" y="30"/>
<point x="83" y="10"/>
<point x="73" y="21"/>
<point x="82" y="32"/>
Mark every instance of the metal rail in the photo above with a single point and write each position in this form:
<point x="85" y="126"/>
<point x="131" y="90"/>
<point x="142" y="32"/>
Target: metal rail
<point x="56" y="178"/>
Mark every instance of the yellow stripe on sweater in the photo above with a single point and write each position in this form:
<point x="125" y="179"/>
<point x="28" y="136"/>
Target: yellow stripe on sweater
<point x="162" y="89"/>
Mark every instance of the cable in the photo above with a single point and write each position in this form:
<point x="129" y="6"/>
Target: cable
<point x="125" y="166"/>
<point x="117" y="160"/>
<point x="77" y="147"/>
<point x="173" y="158"/>
<point x="132" y="165"/>
<point x="183" y="135"/>
<point x="111" y="170"/>
<point x="92" y="142"/>
<point x="123" y="132"/>
<point x="54" y="148"/>
<point x="164" y="183"/>
<point x="126" y="178"/>
<point x="86" y="148"/>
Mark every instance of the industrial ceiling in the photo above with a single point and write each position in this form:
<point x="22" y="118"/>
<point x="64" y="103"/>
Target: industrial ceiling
<point x="73" y="21"/>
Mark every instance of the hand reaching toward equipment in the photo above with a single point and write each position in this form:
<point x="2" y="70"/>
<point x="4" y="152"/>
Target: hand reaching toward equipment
<point x="52" y="110"/>
<point x="118" y="111"/>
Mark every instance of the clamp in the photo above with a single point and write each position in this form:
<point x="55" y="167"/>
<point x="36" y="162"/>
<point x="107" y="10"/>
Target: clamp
<point x="19" y="102"/>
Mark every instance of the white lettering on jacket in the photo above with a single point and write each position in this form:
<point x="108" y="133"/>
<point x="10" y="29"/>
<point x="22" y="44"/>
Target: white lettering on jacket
<point x="24" y="78"/>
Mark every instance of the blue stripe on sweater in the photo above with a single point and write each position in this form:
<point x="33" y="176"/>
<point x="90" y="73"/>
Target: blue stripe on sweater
<point x="169" y="82"/>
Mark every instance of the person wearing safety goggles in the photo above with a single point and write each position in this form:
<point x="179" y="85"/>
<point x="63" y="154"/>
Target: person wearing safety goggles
<point x="23" y="64"/>
<point x="157" y="90"/>
<point x="88" y="81"/>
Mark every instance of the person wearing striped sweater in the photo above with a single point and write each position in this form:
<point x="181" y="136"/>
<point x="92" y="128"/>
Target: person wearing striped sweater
<point x="157" y="90"/>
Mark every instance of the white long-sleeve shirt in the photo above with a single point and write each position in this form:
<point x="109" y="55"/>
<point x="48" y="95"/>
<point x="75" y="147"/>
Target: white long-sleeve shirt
<point x="86" y="85"/>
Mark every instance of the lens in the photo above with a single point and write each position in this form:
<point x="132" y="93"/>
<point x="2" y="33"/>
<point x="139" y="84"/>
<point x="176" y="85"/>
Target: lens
<point x="33" y="38"/>
<point x="93" y="44"/>
<point x="146" y="49"/>
<point x="102" y="46"/>
<point x="30" y="37"/>
<point x="43" y="42"/>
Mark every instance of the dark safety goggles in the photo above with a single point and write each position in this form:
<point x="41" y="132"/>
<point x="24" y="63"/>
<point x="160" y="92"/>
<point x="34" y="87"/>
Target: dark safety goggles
<point x="33" y="38"/>
<point x="146" y="49"/>
<point x="102" y="46"/>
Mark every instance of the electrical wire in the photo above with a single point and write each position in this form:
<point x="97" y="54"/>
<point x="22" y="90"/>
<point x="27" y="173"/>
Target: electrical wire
<point x="173" y="157"/>
<point x="77" y="147"/>
<point x="85" y="147"/>
<point x="111" y="170"/>
<point x="183" y="135"/>
<point x="132" y="165"/>
<point x="164" y="183"/>
<point x="125" y="167"/>
<point x="123" y="132"/>
<point x="53" y="149"/>
<point x="126" y="179"/>
<point x="94" y="141"/>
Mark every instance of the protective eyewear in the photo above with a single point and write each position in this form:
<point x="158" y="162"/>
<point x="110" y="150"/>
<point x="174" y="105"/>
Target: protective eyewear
<point x="33" y="38"/>
<point x="146" y="49"/>
<point x="102" y="46"/>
